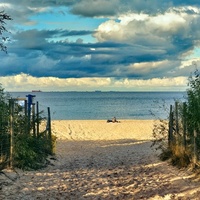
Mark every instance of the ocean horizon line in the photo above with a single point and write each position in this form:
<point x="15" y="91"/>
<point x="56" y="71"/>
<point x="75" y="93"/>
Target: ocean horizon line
<point x="96" y="91"/>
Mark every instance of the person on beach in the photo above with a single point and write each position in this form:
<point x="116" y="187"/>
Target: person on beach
<point x="114" y="120"/>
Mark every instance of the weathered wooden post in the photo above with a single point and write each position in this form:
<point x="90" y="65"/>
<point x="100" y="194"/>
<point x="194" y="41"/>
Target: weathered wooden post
<point x="25" y="107"/>
<point x="170" y="132"/>
<point x="184" y="126"/>
<point x="11" y="108"/>
<point x="37" y="119"/>
<point x="178" y="140"/>
<point x="49" y="130"/>
<point x="195" y="148"/>
<point x="177" y="118"/>
<point x="33" y="118"/>
<point x="26" y="116"/>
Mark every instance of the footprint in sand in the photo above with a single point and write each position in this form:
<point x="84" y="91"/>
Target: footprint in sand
<point x="70" y="131"/>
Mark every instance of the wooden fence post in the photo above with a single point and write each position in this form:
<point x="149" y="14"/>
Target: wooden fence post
<point x="184" y="125"/>
<point x="195" y="148"/>
<point x="177" y="118"/>
<point x="49" y="130"/>
<point x="26" y="108"/>
<point x="170" y="132"/>
<point x="11" y="108"/>
<point x="37" y="118"/>
<point x="26" y="117"/>
<point x="33" y="118"/>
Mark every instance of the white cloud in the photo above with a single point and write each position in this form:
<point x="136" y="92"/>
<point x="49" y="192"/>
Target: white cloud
<point x="25" y="82"/>
<point x="132" y="26"/>
<point x="150" y="39"/>
<point x="148" y="66"/>
<point x="4" y="6"/>
<point x="155" y="84"/>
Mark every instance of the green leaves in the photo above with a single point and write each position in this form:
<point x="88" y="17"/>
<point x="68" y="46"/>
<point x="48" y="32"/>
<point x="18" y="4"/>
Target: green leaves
<point x="29" y="152"/>
<point x="3" y="18"/>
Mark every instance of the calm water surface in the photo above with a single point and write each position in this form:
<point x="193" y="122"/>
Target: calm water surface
<point x="105" y="105"/>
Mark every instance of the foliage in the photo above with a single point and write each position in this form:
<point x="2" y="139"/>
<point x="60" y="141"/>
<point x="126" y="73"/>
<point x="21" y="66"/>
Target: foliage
<point x="4" y="136"/>
<point x="175" y="152"/>
<point x="3" y="18"/>
<point x="180" y="148"/>
<point x="179" y="157"/>
<point x="160" y="134"/>
<point x="29" y="151"/>
<point x="193" y="105"/>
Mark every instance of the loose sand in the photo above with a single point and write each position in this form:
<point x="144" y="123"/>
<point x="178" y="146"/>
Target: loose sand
<point x="100" y="160"/>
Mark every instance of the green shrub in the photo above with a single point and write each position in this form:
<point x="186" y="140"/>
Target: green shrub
<point x="184" y="146"/>
<point x="31" y="152"/>
<point x="4" y="133"/>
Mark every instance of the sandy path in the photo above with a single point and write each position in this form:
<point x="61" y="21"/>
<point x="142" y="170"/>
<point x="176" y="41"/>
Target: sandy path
<point x="99" y="160"/>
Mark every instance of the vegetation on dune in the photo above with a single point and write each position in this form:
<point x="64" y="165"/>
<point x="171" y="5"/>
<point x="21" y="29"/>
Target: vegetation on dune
<point x="179" y="138"/>
<point x="29" y="151"/>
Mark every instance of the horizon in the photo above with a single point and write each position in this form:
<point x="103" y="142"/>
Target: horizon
<point x="94" y="91"/>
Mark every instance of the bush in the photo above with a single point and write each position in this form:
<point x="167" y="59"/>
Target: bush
<point x="4" y="133"/>
<point x="31" y="152"/>
<point x="183" y="147"/>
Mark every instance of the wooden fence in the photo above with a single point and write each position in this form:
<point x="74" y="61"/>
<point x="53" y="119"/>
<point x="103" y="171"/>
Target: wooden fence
<point x="30" y="117"/>
<point x="183" y="136"/>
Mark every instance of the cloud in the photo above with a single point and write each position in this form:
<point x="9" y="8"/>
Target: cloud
<point x="147" y="41"/>
<point x="21" y="81"/>
<point x="163" y="31"/>
<point x="96" y="8"/>
<point x="158" y="83"/>
<point x="41" y="57"/>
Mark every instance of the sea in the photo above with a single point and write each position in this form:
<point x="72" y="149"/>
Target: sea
<point x="99" y="105"/>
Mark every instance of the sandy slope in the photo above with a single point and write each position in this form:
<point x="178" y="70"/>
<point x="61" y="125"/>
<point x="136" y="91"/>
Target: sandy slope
<point x="99" y="160"/>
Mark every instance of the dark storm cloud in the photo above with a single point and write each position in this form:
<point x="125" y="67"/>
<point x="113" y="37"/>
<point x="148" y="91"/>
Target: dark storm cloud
<point x="33" y="54"/>
<point x="40" y="36"/>
<point x="119" y="53"/>
<point x="94" y="8"/>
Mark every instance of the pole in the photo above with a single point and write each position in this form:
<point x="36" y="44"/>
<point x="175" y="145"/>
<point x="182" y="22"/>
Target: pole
<point x="33" y="119"/>
<point x="11" y="107"/>
<point x="195" y="148"/>
<point x="37" y="116"/>
<point x="30" y="101"/>
<point x="170" y="133"/>
<point x="184" y="125"/>
<point x="177" y="124"/>
<point x="49" y="130"/>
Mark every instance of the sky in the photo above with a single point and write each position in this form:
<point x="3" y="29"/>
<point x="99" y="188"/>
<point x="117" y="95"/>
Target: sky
<point x="107" y="45"/>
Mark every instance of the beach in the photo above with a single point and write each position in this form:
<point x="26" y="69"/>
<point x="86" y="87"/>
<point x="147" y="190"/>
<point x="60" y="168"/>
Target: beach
<point x="99" y="160"/>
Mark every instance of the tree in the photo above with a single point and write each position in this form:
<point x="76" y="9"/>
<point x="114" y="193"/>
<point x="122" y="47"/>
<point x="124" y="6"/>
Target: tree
<point x="3" y="18"/>
<point x="4" y="129"/>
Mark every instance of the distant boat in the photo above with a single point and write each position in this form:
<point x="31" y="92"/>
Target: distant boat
<point x="36" y="91"/>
